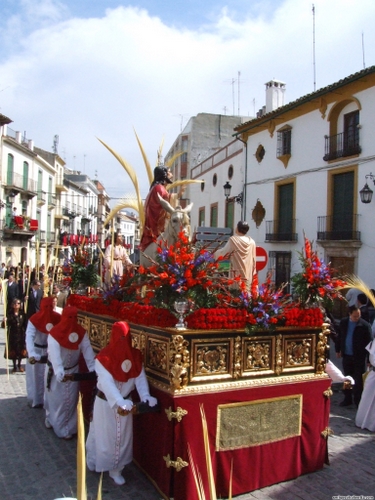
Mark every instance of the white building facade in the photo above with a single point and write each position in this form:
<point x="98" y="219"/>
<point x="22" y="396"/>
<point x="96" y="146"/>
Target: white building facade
<point x="306" y="163"/>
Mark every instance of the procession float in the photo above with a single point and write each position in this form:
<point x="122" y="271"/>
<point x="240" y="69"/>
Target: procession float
<point x="252" y="361"/>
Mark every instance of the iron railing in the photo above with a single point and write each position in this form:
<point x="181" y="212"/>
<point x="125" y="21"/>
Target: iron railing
<point x="281" y="231"/>
<point x="341" y="145"/>
<point x="338" y="228"/>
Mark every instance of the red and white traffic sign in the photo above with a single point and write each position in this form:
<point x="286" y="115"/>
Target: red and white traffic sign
<point x="261" y="258"/>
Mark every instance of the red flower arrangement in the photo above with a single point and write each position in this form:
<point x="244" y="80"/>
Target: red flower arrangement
<point x="316" y="283"/>
<point x="183" y="271"/>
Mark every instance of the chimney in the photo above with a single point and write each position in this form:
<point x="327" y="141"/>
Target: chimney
<point x="275" y="91"/>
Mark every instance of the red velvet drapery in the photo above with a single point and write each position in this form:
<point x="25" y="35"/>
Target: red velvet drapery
<point x="255" y="467"/>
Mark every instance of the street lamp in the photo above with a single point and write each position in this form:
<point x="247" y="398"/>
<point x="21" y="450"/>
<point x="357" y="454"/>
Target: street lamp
<point x="366" y="192"/>
<point x="11" y="196"/>
<point x="227" y="189"/>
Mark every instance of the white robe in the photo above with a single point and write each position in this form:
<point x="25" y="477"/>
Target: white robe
<point x="365" y="417"/>
<point x="243" y="257"/>
<point x="35" y="373"/>
<point x="120" y="258"/>
<point x="109" y="444"/>
<point x="62" y="397"/>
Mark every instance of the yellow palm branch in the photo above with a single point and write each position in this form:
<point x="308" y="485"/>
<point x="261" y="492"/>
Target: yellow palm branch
<point x="149" y="171"/>
<point x="129" y="170"/>
<point x="81" y="454"/>
<point x="353" y="281"/>
<point x="210" y="473"/>
<point x="160" y="149"/>
<point x="173" y="158"/>
<point x="197" y="477"/>
<point x="184" y="182"/>
<point x="131" y="203"/>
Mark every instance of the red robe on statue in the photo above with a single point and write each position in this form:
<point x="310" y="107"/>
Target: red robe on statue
<point x="155" y="215"/>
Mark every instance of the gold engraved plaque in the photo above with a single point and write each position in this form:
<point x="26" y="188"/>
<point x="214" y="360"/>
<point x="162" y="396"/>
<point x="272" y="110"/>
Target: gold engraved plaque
<point x="246" y="424"/>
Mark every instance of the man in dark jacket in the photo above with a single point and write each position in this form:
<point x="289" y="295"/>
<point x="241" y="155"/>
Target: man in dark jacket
<point x="13" y="291"/>
<point x="34" y="298"/>
<point x="354" y="336"/>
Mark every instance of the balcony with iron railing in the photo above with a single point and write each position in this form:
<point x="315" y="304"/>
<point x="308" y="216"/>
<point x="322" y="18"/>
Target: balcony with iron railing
<point x="341" y="145"/>
<point x="338" y="228"/>
<point x="52" y="200"/>
<point x="21" y="183"/>
<point x="42" y="236"/>
<point x="51" y="237"/>
<point x="275" y="231"/>
<point x="60" y="183"/>
<point x="42" y="198"/>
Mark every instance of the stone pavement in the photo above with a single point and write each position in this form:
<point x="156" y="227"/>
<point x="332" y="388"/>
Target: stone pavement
<point x="35" y="464"/>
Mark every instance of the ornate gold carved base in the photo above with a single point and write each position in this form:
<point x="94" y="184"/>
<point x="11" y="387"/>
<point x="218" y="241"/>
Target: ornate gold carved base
<point x="193" y="360"/>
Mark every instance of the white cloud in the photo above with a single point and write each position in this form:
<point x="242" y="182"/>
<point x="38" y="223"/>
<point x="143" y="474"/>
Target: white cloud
<point x="99" y="77"/>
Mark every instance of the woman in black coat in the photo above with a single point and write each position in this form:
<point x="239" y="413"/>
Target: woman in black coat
<point x="16" y="327"/>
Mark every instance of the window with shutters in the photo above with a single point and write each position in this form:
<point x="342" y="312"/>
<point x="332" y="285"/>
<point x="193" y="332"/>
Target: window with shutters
<point x="201" y="218"/>
<point x="284" y="144"/>
<point x="341" y="223"/>
<point x="279" y="265"/>
<point x="282" y="228"/>
<point x="213" y="215"/>
<point x="25" y="179"/>
<point x="229" y="214"/>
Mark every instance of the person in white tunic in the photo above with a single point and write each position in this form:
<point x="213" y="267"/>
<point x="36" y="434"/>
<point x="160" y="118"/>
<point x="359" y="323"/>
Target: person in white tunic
<point x="365" y="417"/>
<point x="66" y="342"/>
<point x="38" y="328"/>
<point x="116" y="260"/>
<point x="242" y="254"/>
<point x="119" y="367"/>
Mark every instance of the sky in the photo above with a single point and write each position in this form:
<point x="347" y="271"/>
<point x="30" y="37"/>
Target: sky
<point x="89" y="69"/>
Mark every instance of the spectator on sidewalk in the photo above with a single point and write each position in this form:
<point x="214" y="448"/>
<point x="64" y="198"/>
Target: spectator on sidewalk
<point x="34" y="298"/>
<point x="362" y="304"/>
<point x="354" y="336"/>
<point x="351" y="296"/>
<point x="16" y="325"/>
<point x="13" y="291"/>
<point x="38" y="328"/>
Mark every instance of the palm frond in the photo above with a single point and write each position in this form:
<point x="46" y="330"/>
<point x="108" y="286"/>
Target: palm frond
<point x="130" y="171"/>
<point x="184" y="182"/>
<point x="81" y="454"/>
<point x="126" y="203"/>
<point x="231" y="480"/>
<point x="210" y="473"/>
<point x="353" y="281"/>
<point x="149" y="171"/>
<point x="99" y="496"/>
<point x="173" y="158"/>
<point x="160" y="150"/>
<point x="197" y="477"/>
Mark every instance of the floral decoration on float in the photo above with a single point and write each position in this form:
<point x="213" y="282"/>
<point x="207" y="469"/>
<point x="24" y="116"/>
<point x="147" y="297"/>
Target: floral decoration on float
<point x="183" y="271"/>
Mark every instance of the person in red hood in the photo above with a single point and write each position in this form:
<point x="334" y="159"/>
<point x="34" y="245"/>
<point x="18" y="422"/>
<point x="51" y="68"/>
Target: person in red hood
<point x="38" y="328"/>
<point x="66" y="341"/>
<point x="119" y="367"/>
